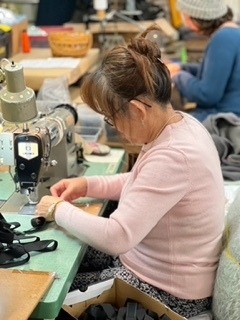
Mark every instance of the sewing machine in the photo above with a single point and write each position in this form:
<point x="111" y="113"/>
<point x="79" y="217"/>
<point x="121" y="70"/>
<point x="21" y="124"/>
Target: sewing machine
<point x="40" y="149"/>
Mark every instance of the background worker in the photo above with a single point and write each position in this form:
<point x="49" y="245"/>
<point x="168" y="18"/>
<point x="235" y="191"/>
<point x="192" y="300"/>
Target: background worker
<point x="165" y="236"/>
<point x="213" y="84"/>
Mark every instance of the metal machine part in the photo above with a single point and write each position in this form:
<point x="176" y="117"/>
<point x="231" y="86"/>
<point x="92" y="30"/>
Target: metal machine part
<point x="41" y="149"/>
<point x="17" y="101"/>
<point x="65" y="156"/>
<point x="44" y="154"/>
<point x="31" y="153"/>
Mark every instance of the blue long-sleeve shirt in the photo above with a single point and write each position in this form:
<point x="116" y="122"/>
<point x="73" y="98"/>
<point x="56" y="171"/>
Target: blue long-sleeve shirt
<point x="215" y="83"/>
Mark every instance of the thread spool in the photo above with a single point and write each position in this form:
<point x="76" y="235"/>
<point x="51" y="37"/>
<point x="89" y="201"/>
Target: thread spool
<point x="100" y="6"/>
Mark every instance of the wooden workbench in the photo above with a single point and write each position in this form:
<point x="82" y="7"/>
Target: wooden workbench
<point x="34" y="77"/>
<point x="125" y="29"/>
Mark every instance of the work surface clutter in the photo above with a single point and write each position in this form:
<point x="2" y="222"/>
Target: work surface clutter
<point x="55" y="60"/>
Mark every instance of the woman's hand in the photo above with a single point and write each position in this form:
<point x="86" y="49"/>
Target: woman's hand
<point x="70" y="189"/>
<point x="47" y="206"/>
<point x="174" y="68"/>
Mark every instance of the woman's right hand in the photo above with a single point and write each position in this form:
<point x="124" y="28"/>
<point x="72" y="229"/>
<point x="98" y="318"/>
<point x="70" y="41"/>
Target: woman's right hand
<point x="70" y="189"/>
<point x="174" y="68"/>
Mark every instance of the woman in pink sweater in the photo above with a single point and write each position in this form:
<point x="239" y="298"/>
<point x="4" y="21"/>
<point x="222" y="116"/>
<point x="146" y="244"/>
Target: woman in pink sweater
<point x="165" y="235"/>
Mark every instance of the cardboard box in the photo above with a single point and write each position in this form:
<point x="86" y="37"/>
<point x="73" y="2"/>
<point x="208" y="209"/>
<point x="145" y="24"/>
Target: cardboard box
<point x="115" y="292"/>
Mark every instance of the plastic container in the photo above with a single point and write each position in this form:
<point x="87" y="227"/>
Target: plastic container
<point x="90" y="134"/>
<point x="89" y="118"/>
<point x="26" y="43"/>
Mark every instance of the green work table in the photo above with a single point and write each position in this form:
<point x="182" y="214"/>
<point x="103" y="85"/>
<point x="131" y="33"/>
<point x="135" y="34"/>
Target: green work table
<point x="65" y="260"/>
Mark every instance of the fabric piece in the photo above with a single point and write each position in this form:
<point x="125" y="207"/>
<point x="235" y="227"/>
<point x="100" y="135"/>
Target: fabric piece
<point x="226" y="302"/>
<point x="170" y="215"/>
<point x="108" y="267"/>
<point x="203" y="9"/>
<point x="225" y="131"/>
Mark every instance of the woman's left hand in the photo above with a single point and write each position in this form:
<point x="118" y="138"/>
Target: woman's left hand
<point x="47" y="206"/>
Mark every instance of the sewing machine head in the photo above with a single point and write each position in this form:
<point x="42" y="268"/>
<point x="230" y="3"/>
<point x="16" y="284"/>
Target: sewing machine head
<point x="40" y="148"/>
<point x="47" y="152"/>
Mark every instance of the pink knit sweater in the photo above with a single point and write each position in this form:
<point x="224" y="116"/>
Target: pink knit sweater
<point x="168" y="226"/>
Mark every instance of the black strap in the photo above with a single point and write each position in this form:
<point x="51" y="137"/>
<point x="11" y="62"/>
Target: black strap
<point x="100" y="312"/>
<point x="121" y="313"/>
<point x="15" y="246"/>
<point x="6" y="235"/>
<point x="9" y="225"/>
<point x="131" y="311"/>
<point x="153" y="315"/>
<point x="21" y="238"/>
<point x="109" y="310"/>
<point x="17" y="254"/>
<point x="9" y="235"/>
<point x="164" y="317"/>
<point x="41" y="246"/>
<point x="13" y="255"/>
<point x="38" y="223"/>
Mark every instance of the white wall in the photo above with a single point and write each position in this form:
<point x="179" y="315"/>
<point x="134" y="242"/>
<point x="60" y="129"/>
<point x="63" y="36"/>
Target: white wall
<point x="235" y="6"/>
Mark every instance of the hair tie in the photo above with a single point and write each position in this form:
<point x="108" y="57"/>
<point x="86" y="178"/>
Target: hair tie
<point x="160" y="60"/>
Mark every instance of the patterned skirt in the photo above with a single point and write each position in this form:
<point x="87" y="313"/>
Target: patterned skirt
<point x="97" y="266"/>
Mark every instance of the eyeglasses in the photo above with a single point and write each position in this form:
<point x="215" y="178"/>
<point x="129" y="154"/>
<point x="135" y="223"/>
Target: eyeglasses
<point x="146" y="104"/>
<point x="110" y="121"/>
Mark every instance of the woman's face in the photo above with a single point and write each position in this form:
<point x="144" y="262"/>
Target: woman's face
<point x="138" y="126"/>
<point x="130" y="124"/>
<point x="189" y="23"/>
<point x="131" y="129"/>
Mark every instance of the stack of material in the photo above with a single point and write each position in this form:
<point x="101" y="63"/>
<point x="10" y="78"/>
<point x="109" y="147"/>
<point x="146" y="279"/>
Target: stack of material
<point x="225" y="131"/>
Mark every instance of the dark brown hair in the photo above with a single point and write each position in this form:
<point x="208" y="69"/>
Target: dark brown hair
<point x="207" y="27"/>
<point x="125" y="73"/>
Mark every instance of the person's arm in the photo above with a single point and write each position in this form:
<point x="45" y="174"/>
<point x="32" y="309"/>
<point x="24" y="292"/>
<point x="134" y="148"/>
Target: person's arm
<point x="74" y="188"/>
<point x="174" y="68"/>
<point x="192" y="68"/>
<point x="106" y="187"/>
<point x="218" y="63"/>
<point x="145" y="199"/>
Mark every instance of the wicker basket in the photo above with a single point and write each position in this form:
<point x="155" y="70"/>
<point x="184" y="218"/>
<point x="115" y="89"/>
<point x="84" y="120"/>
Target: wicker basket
<point x="70" y="44"/>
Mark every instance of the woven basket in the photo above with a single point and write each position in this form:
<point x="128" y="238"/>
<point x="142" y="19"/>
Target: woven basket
<point x="70" y="44"/>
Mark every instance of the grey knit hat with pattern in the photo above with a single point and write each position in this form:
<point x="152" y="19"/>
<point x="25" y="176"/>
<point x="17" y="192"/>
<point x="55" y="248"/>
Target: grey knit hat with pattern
<point x="203" y="9"/>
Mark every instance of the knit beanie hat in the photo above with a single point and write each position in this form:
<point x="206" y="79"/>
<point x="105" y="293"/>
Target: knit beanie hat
<point x="203" y="9"/>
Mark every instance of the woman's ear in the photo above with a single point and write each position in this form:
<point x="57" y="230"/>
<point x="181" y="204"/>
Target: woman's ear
<point x="138" y="110"/>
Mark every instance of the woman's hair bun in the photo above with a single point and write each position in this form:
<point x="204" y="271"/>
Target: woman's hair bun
<point x="149" y="43"/>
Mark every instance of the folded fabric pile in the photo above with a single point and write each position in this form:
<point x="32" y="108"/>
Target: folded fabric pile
<point x="225" y="131"/>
